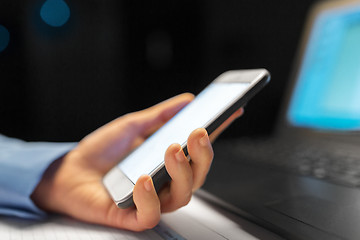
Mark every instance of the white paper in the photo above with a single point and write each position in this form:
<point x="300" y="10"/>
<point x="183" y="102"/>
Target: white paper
<point x="198" y="220"/>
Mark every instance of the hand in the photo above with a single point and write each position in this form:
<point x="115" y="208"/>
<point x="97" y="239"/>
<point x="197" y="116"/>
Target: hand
<point x="73" y="186"/>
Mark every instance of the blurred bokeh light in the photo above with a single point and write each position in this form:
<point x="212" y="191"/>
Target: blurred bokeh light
<point x="55" y="12"/>
<point x="4" y="38"/>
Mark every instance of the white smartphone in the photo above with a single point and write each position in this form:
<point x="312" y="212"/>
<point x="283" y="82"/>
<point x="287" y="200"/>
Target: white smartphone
<point x="216" y="103"/>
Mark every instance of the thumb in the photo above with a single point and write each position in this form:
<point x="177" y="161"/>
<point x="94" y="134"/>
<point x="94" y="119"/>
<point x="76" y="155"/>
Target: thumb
<point x="147" y="121"/>
<point x="114" y="140"/>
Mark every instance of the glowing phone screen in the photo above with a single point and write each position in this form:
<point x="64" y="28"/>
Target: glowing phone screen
<point x="209" y="104"/>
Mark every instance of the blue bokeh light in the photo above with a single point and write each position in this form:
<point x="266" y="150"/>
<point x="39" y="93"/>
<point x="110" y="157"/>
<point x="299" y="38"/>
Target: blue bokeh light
<point x="55" y="12"/>
<point x="4" y="38"/>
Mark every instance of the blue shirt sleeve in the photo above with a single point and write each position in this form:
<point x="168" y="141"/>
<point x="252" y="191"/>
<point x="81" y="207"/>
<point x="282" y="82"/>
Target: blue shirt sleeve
<point x="22" y="165"/>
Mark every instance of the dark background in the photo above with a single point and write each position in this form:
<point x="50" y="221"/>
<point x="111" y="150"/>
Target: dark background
<point x="114" y="57"/>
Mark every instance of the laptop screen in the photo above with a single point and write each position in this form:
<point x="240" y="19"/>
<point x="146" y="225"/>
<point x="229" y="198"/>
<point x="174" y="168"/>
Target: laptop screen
<point x="327" y="92"/>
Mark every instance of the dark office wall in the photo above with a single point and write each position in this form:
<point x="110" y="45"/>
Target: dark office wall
<point x="253" y="34"/>
<point x="113" y="57"/>
<point x="12" y="73"/>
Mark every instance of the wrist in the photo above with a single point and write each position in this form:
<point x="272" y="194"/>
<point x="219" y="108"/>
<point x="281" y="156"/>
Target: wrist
<point x="43" y="194"/>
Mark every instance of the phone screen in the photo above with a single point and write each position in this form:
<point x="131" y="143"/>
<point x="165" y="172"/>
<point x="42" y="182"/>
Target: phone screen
<point x="209" y="104"/>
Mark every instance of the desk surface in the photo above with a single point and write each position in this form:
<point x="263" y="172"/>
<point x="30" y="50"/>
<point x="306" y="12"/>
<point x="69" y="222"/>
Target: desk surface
<point x="198" y="220"/>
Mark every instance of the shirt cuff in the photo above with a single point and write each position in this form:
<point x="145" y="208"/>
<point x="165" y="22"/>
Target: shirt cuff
<point x="22" y="165"/>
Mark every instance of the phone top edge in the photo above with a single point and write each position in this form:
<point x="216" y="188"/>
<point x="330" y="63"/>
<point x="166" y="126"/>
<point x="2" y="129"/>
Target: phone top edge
<point x="249" y="75"/>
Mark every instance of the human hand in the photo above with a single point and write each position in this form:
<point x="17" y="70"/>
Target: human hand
<point x="73" y="185"/>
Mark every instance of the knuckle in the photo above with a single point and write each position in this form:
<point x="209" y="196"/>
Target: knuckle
<point x="211" y="154"/>
<point x="186" y="199"/>
<point x="129" y="122"/>
<point x="151" y="223"/>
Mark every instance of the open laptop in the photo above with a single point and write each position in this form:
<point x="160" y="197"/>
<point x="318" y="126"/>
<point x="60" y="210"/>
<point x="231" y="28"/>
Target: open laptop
<point x="304" y="182"/>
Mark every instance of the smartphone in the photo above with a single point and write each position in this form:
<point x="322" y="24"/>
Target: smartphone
<point x="216" y="103"/>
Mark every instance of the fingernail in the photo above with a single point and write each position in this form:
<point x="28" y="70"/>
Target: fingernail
<point x="204" y="141"/>
<point x="179" y="155"/>
<point x="148" y="185"/>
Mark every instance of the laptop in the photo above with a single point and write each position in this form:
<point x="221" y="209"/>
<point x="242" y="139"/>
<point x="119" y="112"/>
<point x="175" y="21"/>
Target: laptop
<point x="303" y="182"/>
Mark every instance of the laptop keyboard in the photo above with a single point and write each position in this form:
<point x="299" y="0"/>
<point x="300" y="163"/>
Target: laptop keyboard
<point x="335" y="163"/>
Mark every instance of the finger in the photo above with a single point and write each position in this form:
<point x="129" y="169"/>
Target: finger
<point x="215" y="134"/>
<point x="179" y="192"/>
<point x="147" y="204"/>
<point x="201" y="154"/>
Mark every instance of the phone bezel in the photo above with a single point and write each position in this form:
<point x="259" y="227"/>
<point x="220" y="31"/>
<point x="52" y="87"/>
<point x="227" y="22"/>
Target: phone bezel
<point x="257" y="79"/>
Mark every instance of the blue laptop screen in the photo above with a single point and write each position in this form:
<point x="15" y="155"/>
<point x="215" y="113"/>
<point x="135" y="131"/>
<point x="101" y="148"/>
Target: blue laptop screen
<point x="327" y="93"/>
